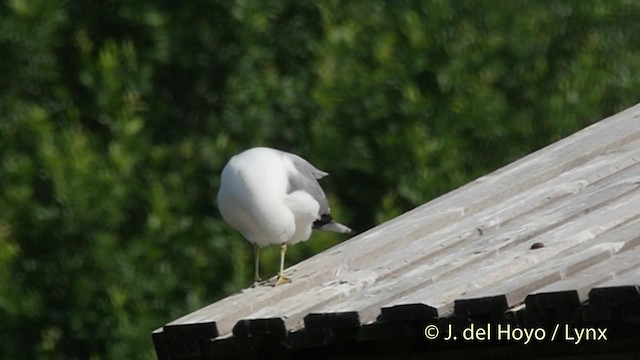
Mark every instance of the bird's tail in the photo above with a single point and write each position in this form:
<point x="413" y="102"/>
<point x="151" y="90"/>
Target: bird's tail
<point x="326" y="223"/>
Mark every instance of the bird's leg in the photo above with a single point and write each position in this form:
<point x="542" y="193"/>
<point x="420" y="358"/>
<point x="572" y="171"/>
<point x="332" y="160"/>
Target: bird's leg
<point x="281" y="279"/>
<point x="256" y="255"/>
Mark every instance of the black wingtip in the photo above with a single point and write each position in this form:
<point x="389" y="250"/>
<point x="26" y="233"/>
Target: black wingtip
<point x="324" y="220"/>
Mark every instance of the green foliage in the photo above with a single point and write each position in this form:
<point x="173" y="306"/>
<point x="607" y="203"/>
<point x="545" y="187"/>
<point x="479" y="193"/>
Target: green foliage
<point x="116" y="118"/>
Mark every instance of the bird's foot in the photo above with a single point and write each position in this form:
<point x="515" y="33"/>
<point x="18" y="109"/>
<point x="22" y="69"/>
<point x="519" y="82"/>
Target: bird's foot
<point x="281" y="279"/>
<point x="257" y="281"/>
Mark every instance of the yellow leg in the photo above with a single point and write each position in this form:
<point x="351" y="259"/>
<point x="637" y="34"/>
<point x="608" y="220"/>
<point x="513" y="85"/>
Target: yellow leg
<point x="281" y="278"/>
<point x="256" y="255"/>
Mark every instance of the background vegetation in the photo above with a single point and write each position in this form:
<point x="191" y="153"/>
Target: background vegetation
<point x="116" y="118"/>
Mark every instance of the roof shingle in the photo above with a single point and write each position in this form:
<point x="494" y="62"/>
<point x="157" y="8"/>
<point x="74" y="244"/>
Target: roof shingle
<point x="466" y="254"/>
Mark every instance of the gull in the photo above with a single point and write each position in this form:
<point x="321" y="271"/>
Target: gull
<point x="273" y="197"/>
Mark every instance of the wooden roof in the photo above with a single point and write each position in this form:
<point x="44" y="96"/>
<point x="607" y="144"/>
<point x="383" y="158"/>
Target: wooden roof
<point x="467" y="255"/>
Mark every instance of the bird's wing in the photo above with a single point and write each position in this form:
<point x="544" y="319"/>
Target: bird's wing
<point x="304" y="177"/>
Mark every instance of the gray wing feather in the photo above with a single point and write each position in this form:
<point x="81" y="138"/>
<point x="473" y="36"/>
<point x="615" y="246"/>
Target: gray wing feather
<point x="306" y="179"/>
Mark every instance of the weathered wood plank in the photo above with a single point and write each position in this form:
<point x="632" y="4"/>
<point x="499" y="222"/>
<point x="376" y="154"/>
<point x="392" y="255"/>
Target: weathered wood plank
<point x="467" y="231"/>
<point x="560" y="272"/>
<point x="553" y="308"/>
<point x="488" y="307"/>
<point x="347" y="319"/>
<point x="557" y="200"/>
<point x="560" y="302"/>
<point x="455" y="260"/>
<point x="624" y="277"/>
<point x="471" y="199"/>
<point x="260" y="327"/>
<point x="292" y="310"/>
<point x="601" y="274"/>
<point x="160" y="344"/>
<point x="615" y="302"/>
<point x="519" y="258"/>
<point x="516" y="288"/>
<point x="481" y="194"/>
<point x="405" y="312"/>
<point x="228" y="347"/>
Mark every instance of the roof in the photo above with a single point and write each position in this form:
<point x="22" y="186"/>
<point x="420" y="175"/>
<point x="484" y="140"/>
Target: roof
<point x="551" y="238"/>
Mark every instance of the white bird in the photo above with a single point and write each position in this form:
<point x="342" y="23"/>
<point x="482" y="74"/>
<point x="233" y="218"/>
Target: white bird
<point x="273" y="198"/>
